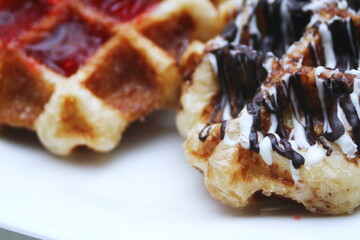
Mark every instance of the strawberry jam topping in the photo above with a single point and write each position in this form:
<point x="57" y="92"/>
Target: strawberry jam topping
<point x="123" y="10"/>
<point x="68" y="46"/>
<point x="18" y="16"/>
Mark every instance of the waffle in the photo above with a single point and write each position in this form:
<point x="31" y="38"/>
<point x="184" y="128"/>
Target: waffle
<point x="78" y="72"/>
<point x="272" y="106"/>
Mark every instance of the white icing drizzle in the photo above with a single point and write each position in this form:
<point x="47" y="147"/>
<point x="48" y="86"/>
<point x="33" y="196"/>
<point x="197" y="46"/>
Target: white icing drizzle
<point x="265" y="150"/>
<point x="273" y="123"/>
<point x="315" y="18"/>
<point x="218" y="42"/>
<point x="313" y="6"/>
<point x="212" y="59"/>
<point x="250" y="17"/>
<point x="205" y="130"/>
<point x="345" y="142"/>
<point x="327" y="43"/>
<point x="354" y="72"/>
<point x="253" y="28"/>
<point x="227" y="112"/>
<point x="268" y="63"/>
<point x="226" y="115"/>
<point x="268" y="90"/>
<point x="245" y="122"/>
<point x="348" y="28"/>
<point x="297" y="138"/>
<point x="342" y="4"/>
<point x="355" y="96"/>
<point x="314" y="154"/>
<point x="347" y="145"/>
<point x="295" y="174"/>
<point x="238" y="24"/>
<point x="285" y="19"/>
<point x="320" y="88"/>
<point x="298" y="131"/>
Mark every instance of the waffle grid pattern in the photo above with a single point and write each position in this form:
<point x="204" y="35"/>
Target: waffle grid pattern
<point x="78" y="74"/>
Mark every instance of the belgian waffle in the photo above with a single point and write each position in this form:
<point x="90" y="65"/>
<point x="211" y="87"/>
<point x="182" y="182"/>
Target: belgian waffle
<point x="79" y="71"/>
<point x="273" y="105"/>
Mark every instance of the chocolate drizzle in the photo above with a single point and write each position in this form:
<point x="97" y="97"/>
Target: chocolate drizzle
<point x="293" y="86"/>
<point x="351" y="116"/>
<point x="274" y="107"/>
<point x="222" y="129"/>
<point x="274" y="29"/>
<point x="306" y="111"/>
<point x="290" y="93"/>
<point x="354" y="4"/>
<point x="345" y="44"/>
<point x="254" y="109"/>
<point x="286" y="151"/>
<point x="278" y="27"/>
<point x="314" y="56"/>
<point x="339" y="95"/>
<point x="334" y="90"/>
<point x="240" y="73"/>
<point x="204" y="133"/>
<point x="229" y="33"/>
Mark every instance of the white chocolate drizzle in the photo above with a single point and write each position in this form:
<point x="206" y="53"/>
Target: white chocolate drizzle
<point x="326" y="39"/>
<point x="245" y="121"/>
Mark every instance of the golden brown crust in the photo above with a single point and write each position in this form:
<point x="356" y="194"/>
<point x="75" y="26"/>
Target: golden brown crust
<point x="134" y="71"/>
<point x="23" y="93"/>
<point x="233" y="173"/>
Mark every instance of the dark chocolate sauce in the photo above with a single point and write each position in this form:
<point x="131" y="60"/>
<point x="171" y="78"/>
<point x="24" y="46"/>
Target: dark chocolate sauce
<point x="305" y="107"/>
<point x="325" y="145"/>
<point x="240" y="74"/>
<point x="222" y="129"/>
<point x="354" y="4"/>
<point x="229" y="33"/>
<point x="334" y="89"/>
<point x="270" y="22"/>
<point x="351" y="116"/>
<point x="286" y="151"/>
<point x="205" y="132"/>
<point x="277" y="33"/>
<point x="292" y="94"/>
<point x="254" y="109"/>
<point x="345" y="44"/>
<point x="293" y="87"/>
<point x="274" y="107"/>
<point x="315" y="60"/>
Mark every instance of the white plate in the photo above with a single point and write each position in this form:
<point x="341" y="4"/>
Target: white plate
<point x="142" y="190"/>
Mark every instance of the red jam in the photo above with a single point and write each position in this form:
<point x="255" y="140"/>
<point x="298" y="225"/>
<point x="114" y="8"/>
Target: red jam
<point x="123" y="10"/>
<point x="18" y="16"/>
<point x="68" y="46"/>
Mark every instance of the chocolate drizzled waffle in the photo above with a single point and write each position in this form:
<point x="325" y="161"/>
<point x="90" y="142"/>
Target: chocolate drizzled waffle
<point x="273" y="105"/>
<point x="79" y="71"/>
